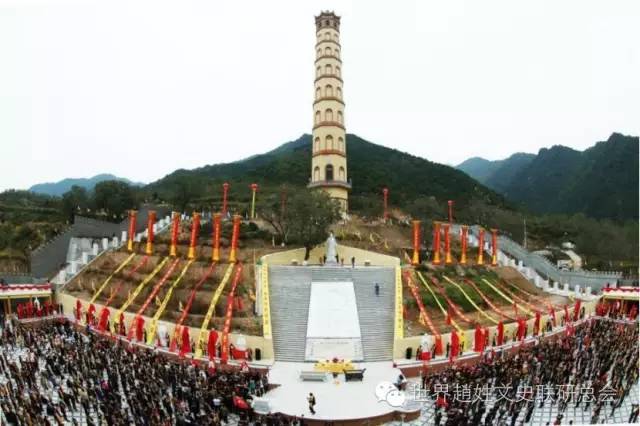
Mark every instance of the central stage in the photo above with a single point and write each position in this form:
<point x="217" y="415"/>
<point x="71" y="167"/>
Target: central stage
<point x="333" y="327"/>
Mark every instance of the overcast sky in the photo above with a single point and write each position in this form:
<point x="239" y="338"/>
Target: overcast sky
<point x="140" y="89"/>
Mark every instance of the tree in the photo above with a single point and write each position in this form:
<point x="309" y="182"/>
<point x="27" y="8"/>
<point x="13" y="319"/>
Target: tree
<point x="183" y="191"/>
<point x="306" y="219"/>
<point x="74" y="200"/>
<point x="114" y="197"/>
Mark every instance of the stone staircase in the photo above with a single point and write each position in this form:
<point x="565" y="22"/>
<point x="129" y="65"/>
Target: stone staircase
<point x="376" y="313"/>
<point x="289" y="293"/>
<point x="290" y="288"/>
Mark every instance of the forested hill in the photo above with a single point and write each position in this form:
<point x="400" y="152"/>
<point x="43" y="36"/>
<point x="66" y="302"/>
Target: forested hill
<point x="370" y="167"/>
<point x="601" y="182"/>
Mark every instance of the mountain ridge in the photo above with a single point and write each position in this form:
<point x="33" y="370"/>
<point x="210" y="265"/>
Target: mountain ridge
<point x="601" y="181"/>
<point x="60" y="187"/>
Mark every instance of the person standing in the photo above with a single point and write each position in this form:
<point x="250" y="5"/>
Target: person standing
<point x="353" y="261"/>
<point x="311" y="399"/>
<point x="377" y="289"/>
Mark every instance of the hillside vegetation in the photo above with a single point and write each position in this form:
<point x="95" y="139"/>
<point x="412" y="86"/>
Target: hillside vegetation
<point x="600" y="182"/>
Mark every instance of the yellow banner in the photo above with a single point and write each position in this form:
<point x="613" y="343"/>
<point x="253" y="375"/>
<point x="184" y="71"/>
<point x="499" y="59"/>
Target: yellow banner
<point x="507" y="298"/>
<point x="133" y="295"/>
<point x="212" y="305"/>
<point x="104" y="284"/>
<point x="266" y="307"/>
<point x="165" y="302"/>
<point x="464" y="293"/>
<point x="444" y="312"/>
<point x="399" y="320"/>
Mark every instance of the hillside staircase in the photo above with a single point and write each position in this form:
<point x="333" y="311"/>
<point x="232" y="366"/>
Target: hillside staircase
<point x="290" y="290"/>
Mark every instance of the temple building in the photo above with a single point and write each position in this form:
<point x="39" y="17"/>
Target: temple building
<point x="329" y="152"/>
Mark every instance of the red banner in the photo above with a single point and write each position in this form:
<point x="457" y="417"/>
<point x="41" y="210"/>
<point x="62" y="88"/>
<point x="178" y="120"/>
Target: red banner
<point x="447" y="244"/>
<point x="455" y="345"/>
<point x="436" y="243"/>
<point x="187" y="308"/>
<point x="224" y="356"/>
<point x="195" y="229"/>
<point x="104" y="319"/>
<point x="576" y="310"/>
<point x="423" y="312"/>
<point x="129" y="274"/>
<point x="463" y="245"/>
<point x="175" y="229"/>
<point x="500" y="339"/>
<point x="522" y="329"/>
<point x="415" y="260"/>
<point x="14" y="287"/>
<point x="151" y="219"/>
<point x="154" y="293"/>
<point x="233" y="255"/>
<point x="211" y="344"/>
<point x="185" y="344"/>
<point x="481" y="247"/>
<point x="215" y="255"/>
<point x="536" y="324"/>
<point x="456" y="309"/>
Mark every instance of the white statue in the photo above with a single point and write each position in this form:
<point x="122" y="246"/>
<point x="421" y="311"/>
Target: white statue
<point x="332" y="250"/>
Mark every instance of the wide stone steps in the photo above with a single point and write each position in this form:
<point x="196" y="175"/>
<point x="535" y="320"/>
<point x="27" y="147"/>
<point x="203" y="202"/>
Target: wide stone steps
<point x="290" y="290"/>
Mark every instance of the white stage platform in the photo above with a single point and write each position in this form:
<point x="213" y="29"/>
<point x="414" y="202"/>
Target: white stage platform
<point x="335" y="398"/>
<point x="333" y="327"/>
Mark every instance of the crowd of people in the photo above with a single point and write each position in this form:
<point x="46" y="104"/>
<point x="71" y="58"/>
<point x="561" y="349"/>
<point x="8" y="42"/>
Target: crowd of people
<point x="51" y="371"/>
<point x="593" y="369"/>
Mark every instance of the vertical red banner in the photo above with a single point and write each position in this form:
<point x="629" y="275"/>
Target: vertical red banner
<point x="132" y="229"/>
<point x="494" y="247"/>
<point x="447" y="245"/>
<point x="481" y="247"/>
<point x="151" y="220"/>
<point x="415" y="260"/>
<point x="233" y="255"/>
<point x="175" y="229"/>
<point x="195" y="229"/>
<point x="463" y="245"/>
<point x="436" y="243"/>
<point x="215" y="255"/>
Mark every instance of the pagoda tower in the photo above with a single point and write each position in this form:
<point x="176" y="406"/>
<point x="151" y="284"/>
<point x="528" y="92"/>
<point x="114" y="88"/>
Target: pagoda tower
<point x="329" y="151"/>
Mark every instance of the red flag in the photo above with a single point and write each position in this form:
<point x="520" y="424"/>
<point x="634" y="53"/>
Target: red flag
<point x="104" y="318"/>
<point x="185" y="347"/>
<point x="211" y="344"/>
<point x="477" y="341"/>
<point x="78" y="309"/>
<point x="500" y="339"/>
<point x="576" y="310"/>
<point x="522" y="330"/>
<point x="438" y="345"/>
<point x="122" y="326"/>
<point x="455" y="345"/>
<point x="139" y="328"/>
<point x="485" y="338"/>
<point x="90" y="312"/>
<point x="536" y="324"/>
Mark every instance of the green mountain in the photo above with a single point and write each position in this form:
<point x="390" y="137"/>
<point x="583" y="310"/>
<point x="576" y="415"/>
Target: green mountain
<point x="370" y="167"/>
<point x="494" y="173"/>
<point x="600" y="182"/>
<point x="60" y="187"/>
